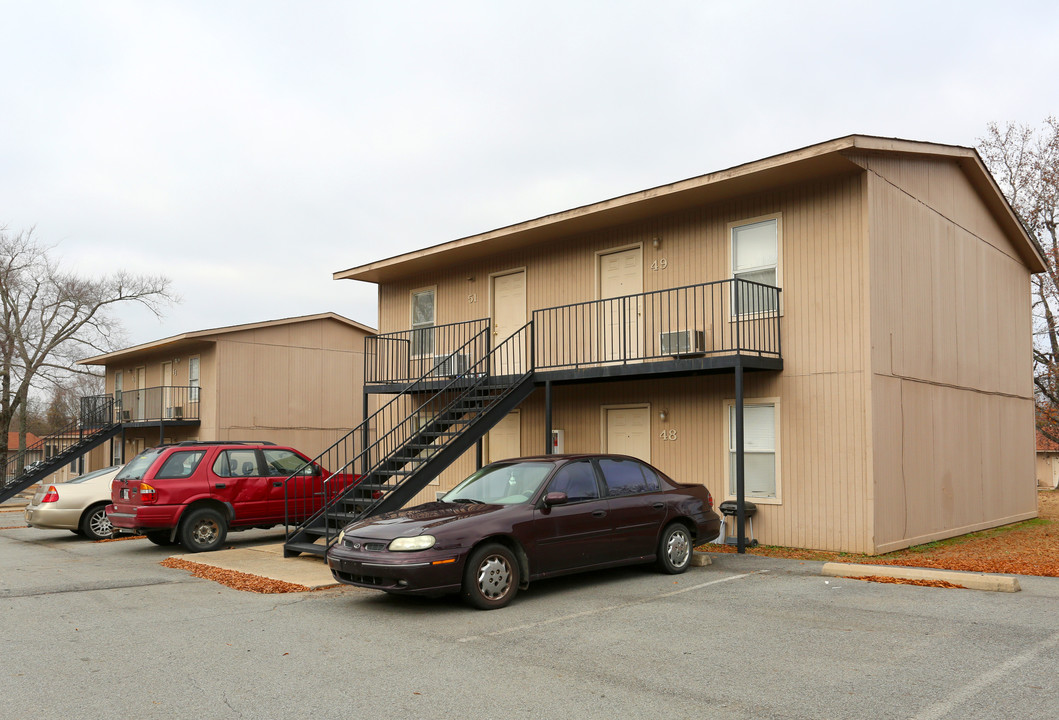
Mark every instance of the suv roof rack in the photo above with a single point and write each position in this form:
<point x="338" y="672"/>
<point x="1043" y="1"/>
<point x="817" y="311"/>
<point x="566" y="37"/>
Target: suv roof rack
<point x="224" y="442"/>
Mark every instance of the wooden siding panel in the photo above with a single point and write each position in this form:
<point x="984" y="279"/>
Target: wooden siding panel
<point x="958" y="340"/>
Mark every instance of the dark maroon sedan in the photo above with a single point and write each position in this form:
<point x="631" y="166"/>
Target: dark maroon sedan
<point x="527" y="519"/>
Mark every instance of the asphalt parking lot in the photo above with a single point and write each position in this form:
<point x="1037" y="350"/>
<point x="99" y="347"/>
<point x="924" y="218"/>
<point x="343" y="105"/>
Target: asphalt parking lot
<point x="101" y="629"/>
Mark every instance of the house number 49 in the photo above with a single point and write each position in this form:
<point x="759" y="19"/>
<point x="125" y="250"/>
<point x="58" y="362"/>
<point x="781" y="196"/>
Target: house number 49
<point x="668" y="435"/>
<point x="660" y="264"/>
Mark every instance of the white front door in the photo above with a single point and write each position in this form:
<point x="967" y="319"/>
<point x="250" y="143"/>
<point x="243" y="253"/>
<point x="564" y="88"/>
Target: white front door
<point x="621" y="274"/>
<point x="509" y="315"/>
<point x="505" y="439"/>
<point x="629" y="432"/>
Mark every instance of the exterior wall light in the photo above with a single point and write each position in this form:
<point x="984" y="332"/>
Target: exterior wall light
<point x="662" y="415"/>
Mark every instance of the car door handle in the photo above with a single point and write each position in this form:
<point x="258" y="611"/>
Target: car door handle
<point x="599" y="513"/>
<point x="277" y="483"/>
<point x="220" y="486"/>
<point x="658" y="506"/>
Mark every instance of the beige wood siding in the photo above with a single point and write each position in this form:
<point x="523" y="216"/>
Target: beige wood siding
<point x="824" y="428"/>
<point x="951" y="386"/>
<point x="823" y="270"/>
<point x="298" y="385"/>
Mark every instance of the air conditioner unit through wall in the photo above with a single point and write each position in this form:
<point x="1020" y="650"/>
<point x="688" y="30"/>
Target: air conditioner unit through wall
<point x="174" y="413"/>
<point x="450" y="365"/>
<point x="682" y="342"/>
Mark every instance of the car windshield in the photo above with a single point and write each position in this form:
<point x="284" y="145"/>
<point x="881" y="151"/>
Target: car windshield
<point x="139" y="465"/>
<point x="91" y="475"/>
<point x="503" y="484"/>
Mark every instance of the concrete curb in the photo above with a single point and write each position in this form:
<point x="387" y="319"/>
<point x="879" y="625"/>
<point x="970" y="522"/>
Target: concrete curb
<point x="970" y="580"/>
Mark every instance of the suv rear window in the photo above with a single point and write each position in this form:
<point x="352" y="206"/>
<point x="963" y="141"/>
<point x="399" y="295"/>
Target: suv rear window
<point x="180" y="464"/>
<point x="140" y="464"/>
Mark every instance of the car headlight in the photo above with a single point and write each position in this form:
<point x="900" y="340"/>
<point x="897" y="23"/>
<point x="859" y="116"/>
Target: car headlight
<point x="407" y="544"/>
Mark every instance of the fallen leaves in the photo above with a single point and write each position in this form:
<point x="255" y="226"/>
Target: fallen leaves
<point x="1026" y="548"/>
<point x="907" y="581"/>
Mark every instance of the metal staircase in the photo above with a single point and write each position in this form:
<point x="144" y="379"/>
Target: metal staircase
<point x="419" y="433"/>
<point x="95" y="426"/>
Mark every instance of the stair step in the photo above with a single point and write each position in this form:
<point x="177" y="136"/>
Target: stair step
<point x="304" y="547"/>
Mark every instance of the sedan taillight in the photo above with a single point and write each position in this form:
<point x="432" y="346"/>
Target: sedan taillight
<point x="709" y="500"/>
<point x="147" y="493"/>
<point x="51" y="496"/>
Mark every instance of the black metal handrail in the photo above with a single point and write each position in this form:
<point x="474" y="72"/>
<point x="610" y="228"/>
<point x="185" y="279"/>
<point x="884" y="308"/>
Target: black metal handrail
<point x="406" y="355"/>
<point x="709" y="319"/>
<point x="96" y="413"/>
<point x="304" y="501"/>
<point x="156" y="404"/>
<point x="403" y="420"/>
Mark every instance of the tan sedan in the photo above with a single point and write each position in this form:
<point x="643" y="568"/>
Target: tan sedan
<point x="78" y="506"/>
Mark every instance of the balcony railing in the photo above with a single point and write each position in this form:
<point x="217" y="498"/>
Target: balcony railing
<point x="156" y="404"/>
<point x="711" y="320"/>
<point x="442" y="350"/>
<point x="722" y="318"/>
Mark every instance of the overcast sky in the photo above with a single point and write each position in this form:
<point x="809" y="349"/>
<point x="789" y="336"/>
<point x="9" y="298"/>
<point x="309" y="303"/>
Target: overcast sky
<point x="248" y="150"/>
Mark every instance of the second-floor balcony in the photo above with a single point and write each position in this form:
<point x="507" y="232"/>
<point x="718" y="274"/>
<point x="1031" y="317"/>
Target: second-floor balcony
<point x="709" y="327"/>
<point x="166" y="403"/>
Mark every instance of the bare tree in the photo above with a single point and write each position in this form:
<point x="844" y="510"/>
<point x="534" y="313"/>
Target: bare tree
<point x="1025" y="162"/>
<point x="50" y="317"/>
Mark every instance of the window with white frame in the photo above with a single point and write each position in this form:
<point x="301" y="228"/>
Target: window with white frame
<point x="755" y="257"/>
<point x="193" y="379"/>
<point x="759" y="450"/>
<point x="423" y="313"/>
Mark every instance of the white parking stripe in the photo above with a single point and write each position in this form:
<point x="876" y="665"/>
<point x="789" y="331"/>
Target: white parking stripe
<point x="965" y="693"/>
<point x="564" y="618"/>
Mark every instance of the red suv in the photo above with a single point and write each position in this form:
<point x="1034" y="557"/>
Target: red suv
<point x="195" y="492"/>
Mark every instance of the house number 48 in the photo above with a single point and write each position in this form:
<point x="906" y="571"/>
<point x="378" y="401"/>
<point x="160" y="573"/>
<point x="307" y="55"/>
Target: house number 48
<point x="668" y="435"/>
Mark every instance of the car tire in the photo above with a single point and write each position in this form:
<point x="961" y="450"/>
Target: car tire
<point x="94" y="523"/>
<point x="160" y="537"/>
<point x="203" y="530"/>
<point x="491" y="577"/>
<point x="674" y="549"/>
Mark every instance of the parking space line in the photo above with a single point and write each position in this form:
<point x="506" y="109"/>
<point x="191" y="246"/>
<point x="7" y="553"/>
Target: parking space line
<point x="596" y="611"/>
<point x="965" y="693"/>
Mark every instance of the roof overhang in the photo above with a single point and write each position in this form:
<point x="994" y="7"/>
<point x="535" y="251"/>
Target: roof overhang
<point x="813" y="162"/>
<point x="211" y="335"/>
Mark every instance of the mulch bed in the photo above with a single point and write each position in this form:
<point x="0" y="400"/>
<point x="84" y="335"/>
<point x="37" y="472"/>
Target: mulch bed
<point x="233" y="579"/>
<point x="1026" y="548"/>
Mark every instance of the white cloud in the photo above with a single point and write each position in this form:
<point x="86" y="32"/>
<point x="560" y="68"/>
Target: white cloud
<point x="250" y="149"/>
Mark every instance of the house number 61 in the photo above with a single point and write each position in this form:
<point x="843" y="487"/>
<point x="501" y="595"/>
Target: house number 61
<point x="668" y="435"/>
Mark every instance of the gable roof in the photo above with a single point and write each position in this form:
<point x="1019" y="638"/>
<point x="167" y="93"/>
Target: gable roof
<point x="214" y="332"/>
<point x="12" y="440"/>
<point x="820" y="160"/>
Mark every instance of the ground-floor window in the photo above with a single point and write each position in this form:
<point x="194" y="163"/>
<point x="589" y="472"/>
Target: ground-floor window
<point x="760" y="474"/>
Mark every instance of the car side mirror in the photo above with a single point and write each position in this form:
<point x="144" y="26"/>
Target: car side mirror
<point x="555" y="498"/>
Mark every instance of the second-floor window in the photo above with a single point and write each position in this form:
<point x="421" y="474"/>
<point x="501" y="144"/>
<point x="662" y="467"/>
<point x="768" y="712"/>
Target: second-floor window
<point x="193" y="379"/>
<point x="755" y="257"/>
<point x="423" y="314"/>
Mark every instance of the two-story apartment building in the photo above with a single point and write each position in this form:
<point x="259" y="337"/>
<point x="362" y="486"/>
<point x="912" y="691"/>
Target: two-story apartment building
<point x="846" y="326"/>
<point x="295" y="381"/>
